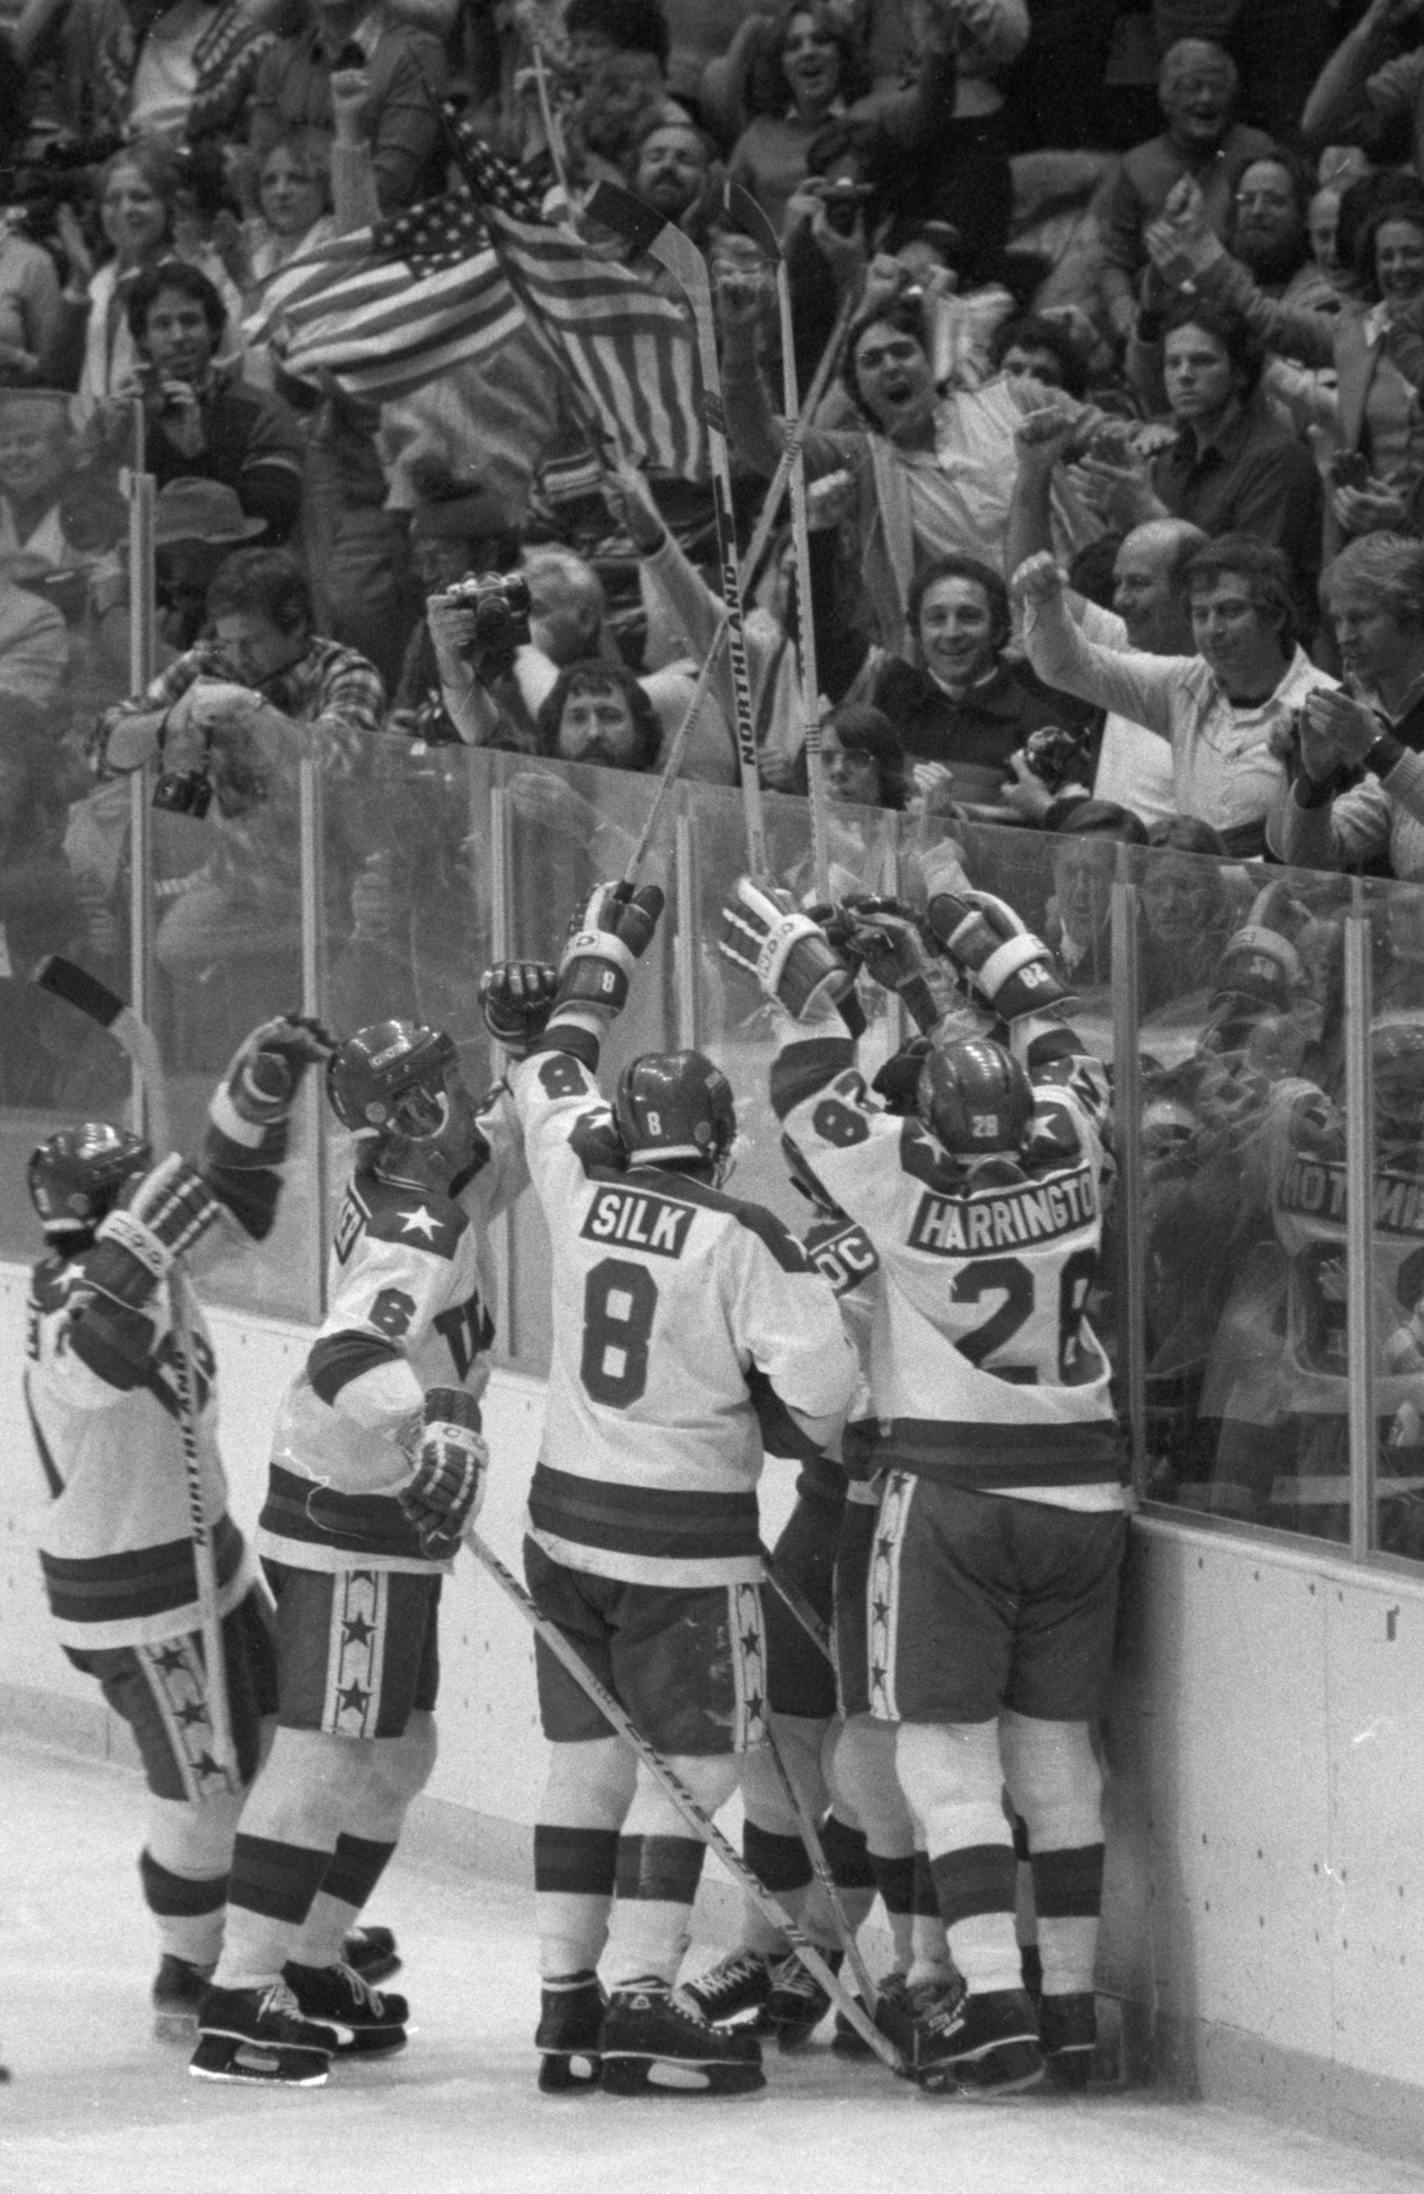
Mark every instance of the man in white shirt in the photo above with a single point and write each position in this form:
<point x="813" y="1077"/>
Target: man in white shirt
<point x="1151" y="612"/>
<point x="1225" y="711"/>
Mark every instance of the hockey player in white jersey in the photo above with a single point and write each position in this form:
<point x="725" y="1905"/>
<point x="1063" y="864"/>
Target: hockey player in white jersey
<point x="993" y="1591"/>
<point x="377" y="1465"/>
<point x="104" y="1397"/>
<point x="680" y="1317"/>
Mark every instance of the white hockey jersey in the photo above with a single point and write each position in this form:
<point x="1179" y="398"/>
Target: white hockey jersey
<point x="115" y="1542"/>
<point x="683" y="1320"/>
<point x="407" y="1308"/>
<point x="984" y="1369"/>
<point x="1309" y="1211"/>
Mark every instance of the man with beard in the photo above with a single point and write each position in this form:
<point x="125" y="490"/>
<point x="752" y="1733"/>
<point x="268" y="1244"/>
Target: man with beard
<point x="675" y="173"/>
<point x="1268" y="232"/>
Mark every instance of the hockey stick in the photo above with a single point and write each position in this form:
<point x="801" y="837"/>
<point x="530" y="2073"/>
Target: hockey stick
<point x="666" y="243"/>
<point x="761" y="534"/>
<point x="78" y="988"/>
<point x="754" y="223"/>
<point x="700" y="1822"/>
<point x="821" y="1868"/>
<point x="797" y="1606"/>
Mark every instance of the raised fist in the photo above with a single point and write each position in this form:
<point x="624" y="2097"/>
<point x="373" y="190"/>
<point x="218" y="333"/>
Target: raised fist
<point x="516" y="998"/>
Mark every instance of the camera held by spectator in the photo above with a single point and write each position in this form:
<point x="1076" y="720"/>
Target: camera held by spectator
<point x="500" y="606"/>
<point x="1058" y="756"/>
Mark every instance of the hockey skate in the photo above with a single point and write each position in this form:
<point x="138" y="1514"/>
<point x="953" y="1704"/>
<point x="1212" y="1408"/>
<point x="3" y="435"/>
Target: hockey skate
<point x="739" y="1982"/>
<point x="798" y="2002"/>
<point x="654" y="2043"/>
<point x="371" y="1952"/>
<point x="974" y="2045"/>
<point x="367" y="2022"/>
<point x="570" y="2022"/>
<point x="892" y="2016"/>
<point x="1068" y="2035"/>
<point x="178" y="1989"/>
<point x="258" y="2035"/>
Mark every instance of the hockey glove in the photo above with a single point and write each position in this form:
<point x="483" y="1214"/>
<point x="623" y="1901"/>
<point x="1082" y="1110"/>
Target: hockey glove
<point x="1004" y="964"/>
<point x="608" y="939"/>
<point x="448" y="1483"/>
<point x="889" y="944"/>
<point x="264" y="1074"/>
<point x="516" y="997"/>
<point x="169" y="1211"/>
<point x="790" y="955"/>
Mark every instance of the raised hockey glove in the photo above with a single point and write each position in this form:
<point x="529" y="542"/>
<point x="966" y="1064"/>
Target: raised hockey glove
<point x="1003" y="963"/>
<point x="609" y="938"/>
<point x="448" y="1482"/>
<point x="169" y="1211"/>
<point x="790" y="955"/>
<point x="516" y="998"/>
<point x="888" y="942"/>
<point x="266" y="1071"/>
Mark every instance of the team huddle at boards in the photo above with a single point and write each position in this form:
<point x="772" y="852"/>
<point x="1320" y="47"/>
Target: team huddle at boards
<point x="938" y="1630"/>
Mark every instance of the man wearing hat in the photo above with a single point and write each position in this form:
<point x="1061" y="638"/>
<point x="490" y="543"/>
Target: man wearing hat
<point x="196" y="524"/>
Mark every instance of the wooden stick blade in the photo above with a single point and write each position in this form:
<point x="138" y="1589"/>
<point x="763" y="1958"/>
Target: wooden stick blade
<point x="77" y="987"/>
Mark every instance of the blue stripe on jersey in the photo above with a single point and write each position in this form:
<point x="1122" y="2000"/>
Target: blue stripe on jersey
<point x="146" y="1580"/>
<point x="300" y="1510"/>
<point x="801" y="1070"/>
<point x="640" y="1519"/>
<point x="780" y="1433"/>
<point x="986" y="1456"/>
<point x="338" y="1358"/>
<point x="768" y="1229"/>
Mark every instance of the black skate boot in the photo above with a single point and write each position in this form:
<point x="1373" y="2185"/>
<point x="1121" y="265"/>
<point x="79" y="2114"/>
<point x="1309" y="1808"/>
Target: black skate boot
<point x="737" y="1983"/>
<point x="371" y="1952"/>
<point x="258" y="2035"/>
<point x="976" y="2045"/>
<point x="798" y="2002"/>
<point x="178" y="1989"/>
<point x="847" y="2041"/>
<point x="654" y="2043"/>
<point x="367" y="2022"/>
<point x="570" y="2021"/>
<point x="1068" y="2033"/>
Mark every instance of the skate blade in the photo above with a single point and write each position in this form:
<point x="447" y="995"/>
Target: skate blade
<point x="672" y="2076"/>
<point x="251" y="2063"/>
<point x="569" y="2074"/>
<point x="371" y="2041"/>
<point x="962" y="2090"/>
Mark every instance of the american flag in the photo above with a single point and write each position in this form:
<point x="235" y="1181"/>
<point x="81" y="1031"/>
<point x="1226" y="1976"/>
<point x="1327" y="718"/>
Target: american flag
<point x="628" y="348"/>
<point x="391" y="306"/>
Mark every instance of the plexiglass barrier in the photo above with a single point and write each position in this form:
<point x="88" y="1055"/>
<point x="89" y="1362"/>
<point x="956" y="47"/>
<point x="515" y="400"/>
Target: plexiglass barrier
<point x="1262" y="1287"/>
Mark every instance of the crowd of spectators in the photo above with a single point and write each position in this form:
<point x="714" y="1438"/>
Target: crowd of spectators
<point x="1115" y="480"/>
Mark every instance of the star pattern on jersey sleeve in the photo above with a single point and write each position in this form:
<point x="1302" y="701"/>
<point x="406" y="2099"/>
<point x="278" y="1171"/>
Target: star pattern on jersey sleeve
<point x="419" y="1221"/>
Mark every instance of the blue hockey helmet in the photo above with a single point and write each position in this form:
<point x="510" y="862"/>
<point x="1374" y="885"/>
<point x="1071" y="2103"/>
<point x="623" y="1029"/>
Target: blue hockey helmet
<point x="975" y="1098"/>
<point x="77" y="1175"/>
<point x="390" y="1077"/>
<point x="674" y="1105"/>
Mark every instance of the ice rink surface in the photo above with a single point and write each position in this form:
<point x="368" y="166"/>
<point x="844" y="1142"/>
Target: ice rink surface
<point x="95" y="2106"/>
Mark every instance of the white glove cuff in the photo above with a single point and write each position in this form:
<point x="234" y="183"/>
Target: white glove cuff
<point x="140" y="1241"/>
<point x="1006" y="960"/>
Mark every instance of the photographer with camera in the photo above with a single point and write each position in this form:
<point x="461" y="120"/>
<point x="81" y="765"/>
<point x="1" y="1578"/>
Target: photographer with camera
<point x="502" y="639"/>
<point x="203" y="421"/>
<point x="228" y="724"/>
